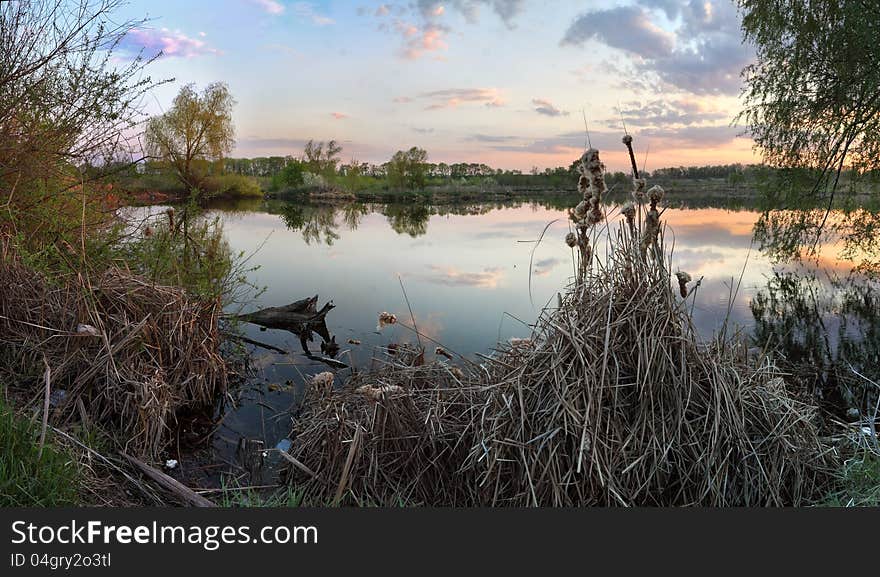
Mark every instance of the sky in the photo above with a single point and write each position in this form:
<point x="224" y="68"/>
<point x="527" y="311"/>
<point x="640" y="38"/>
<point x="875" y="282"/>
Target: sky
<point x="507" y="83"/>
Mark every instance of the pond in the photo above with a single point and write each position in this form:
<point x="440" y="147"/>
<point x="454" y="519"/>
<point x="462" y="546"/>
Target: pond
<point x="469" y="276"/>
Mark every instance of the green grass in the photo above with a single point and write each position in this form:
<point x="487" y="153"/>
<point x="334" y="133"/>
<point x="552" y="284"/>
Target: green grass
<point x="245" y="497"/>
<point x="28" y="479"/>
<point x="859" y="483"/>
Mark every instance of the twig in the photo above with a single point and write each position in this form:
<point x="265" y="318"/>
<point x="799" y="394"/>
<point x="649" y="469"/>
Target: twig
<point x="48" y="378"/>
<point x="171" y="484"/>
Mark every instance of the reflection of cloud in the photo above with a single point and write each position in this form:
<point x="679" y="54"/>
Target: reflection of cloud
<point x="711" y="234"/>
<point x="451" y="276"/>
<point x="430" y="325"/>
<point x="544" y="266"/>
<point x="693" y="259"/>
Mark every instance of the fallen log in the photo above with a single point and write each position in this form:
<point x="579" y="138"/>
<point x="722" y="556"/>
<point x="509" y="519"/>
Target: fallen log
<point x="301" y="318"/>
<point x="290" y="317"/>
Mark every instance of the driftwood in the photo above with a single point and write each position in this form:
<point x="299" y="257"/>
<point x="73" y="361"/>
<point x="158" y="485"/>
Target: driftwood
<point x="301" y="318"/>
<point x="171" y="484"/>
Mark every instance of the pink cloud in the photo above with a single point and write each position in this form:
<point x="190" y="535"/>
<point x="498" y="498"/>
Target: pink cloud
<point x="269" y="6"/>
<point x="419" y="39"/>
<point x="338" y="115"/>
<point x="169" y="43"/>
<point x="453" y="97"/>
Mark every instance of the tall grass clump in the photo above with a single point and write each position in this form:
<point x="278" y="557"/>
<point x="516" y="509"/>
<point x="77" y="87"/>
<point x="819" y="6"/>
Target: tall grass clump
<point x="617" y="401"/>
<point x="31" y="476"/>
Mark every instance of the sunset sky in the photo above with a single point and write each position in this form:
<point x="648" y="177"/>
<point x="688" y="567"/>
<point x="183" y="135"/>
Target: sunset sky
<point x="502" y="82"/>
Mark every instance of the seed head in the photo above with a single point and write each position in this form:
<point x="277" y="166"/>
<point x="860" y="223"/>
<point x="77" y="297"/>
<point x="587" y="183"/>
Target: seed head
<point x="656" y="194"/>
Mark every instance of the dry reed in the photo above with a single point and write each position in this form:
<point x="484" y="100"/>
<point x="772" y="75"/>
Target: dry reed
<point x="618" y="402"/>
<point x="127" y="353"/>
<point x="394" y="436"/>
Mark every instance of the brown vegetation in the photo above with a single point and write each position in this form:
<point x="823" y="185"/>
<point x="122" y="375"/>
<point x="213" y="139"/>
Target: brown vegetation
<point x="128" y="353"/>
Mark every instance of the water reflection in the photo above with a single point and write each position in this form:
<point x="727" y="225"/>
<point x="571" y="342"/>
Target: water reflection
<point x="813" y="234"/>
<point x="826" y="329"/>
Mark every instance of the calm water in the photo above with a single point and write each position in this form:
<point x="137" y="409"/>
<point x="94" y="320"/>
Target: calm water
<point x="465" y="270"/>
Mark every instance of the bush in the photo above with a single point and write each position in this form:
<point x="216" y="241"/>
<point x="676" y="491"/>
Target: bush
<point x="232" y="185"/>
<point x="28" y="478"/>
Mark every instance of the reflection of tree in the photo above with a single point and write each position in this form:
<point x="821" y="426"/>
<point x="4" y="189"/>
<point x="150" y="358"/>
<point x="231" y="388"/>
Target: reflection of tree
<point x="411" y="219"/>
<point x="317" y="223"/>
<point x="822" y="333"/>
<point x="352" y="214"/>
<point x="790" y="235"/>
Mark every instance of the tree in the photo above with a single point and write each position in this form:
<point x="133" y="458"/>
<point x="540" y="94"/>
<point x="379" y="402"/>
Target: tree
<point x="322" y="159"/>
<point x="196" y="130"/>
<point x="812" y="98"/>
<point x="408" y="169"/>
<point x="812" y="105"/>
<point x="291" y="176"/>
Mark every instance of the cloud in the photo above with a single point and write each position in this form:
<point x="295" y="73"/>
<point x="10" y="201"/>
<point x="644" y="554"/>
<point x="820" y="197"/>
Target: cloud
<point x="169" y="43"/>
<point x="489" y="138"/>
<point x="489" y="277"/>
<point x="704" y="54"/>
<point x="507" y="10"/>
<point x="338" y="115"/>
<point x="424" y="26"/>
<point x="423" y="130"/>
<point x="453" y="97"/>
<point x="419" y="40"/>
<point x="547" y="108"/>
<point x="280" y="48"/>
<point x="269" y="6"/>
<point x="671" y="138"/>
<point x="665" y="112"/>
<point x="693" y="136"/>
<point x="307" y="10"/>
<point x="625" y="27"/>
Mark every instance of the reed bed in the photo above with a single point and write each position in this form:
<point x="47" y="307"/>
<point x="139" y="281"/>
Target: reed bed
<point x="115" y="349"/>
<point x="617" y="401"/>
<point x="614" y="400"/>
<point x="399" y="435"/>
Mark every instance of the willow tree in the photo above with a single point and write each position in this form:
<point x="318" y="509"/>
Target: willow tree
<point x="196" y="130"/>
<point x="812" y="104"/>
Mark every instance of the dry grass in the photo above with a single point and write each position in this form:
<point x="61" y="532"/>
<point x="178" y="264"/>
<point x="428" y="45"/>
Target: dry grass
<point x="614" y="400"/>
<point x="617" y="402"/>
<point x="127" y="353"/>
<point x="395" y="436"/>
